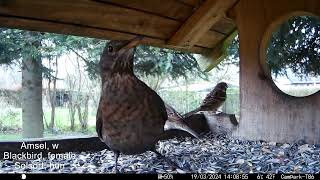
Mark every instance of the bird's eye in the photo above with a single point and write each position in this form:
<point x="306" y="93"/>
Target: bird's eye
<point x="110" y="49"/>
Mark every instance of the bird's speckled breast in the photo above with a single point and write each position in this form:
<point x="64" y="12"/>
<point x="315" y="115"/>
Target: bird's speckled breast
<point x="132" y="119"/>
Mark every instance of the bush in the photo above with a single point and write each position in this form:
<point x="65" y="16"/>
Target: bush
<point x="10" y="119"/>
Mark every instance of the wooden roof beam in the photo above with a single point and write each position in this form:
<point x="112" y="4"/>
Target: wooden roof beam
<point x="219" y="53"/>
<point x="209" y="12"/>
<point x="86" y="31"/>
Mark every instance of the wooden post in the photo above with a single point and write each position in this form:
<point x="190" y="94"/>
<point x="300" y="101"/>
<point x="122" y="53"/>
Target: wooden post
<point x="266" y="112"/>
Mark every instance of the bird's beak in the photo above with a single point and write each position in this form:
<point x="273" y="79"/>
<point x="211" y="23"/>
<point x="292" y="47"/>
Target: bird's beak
<point x="132" y="43"/>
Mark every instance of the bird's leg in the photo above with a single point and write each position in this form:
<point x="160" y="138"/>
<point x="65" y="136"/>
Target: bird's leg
<point x="173" y="164"/>
<point x="116" y="155"/>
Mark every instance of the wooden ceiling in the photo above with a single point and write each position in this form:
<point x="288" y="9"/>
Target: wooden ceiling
<point x="196" y="26"/>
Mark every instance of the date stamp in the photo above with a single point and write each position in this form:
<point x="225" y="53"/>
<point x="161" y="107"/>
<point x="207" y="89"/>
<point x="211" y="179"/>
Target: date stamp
<point x="200" y="176"/>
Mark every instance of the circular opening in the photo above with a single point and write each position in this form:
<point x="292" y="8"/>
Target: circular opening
<point x="290" y="54"/>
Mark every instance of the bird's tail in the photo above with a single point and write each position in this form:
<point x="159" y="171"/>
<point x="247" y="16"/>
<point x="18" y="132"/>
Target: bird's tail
<point x="188" y="114"/>
<point x="180" y="125"/>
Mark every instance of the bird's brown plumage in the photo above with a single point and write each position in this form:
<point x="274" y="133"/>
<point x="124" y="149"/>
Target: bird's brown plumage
<point x="131" y="116"/>
<point x="213" y="100"/>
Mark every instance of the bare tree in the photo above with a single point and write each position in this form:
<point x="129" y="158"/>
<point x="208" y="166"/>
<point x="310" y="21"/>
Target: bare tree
<point x="81" y="91"/>
<point x="52" y="92"/>
<point x="70" y="84"/>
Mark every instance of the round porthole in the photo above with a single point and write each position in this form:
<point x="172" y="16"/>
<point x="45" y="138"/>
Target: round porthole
<point x="290" y="54"/>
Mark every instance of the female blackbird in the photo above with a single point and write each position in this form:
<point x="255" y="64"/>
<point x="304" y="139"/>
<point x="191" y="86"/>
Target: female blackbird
<point x="130" y="116"/>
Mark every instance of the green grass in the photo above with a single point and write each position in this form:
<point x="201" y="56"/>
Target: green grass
<point x="47" y="134"/>
<point x="9" y="137"/>
<point x="62" y="120"/>
<point x="10" y="117"/>
<point x="11" y="123"/>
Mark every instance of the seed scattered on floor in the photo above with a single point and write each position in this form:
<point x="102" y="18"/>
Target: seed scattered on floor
<point x="210" y="154"/>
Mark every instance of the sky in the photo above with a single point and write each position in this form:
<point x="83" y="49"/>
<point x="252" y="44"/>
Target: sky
<point x="11" y="77"/>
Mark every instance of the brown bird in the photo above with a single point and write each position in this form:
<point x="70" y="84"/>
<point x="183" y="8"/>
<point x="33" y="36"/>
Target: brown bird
<point x="213" y="100"/>
<point x="176" y="121"/>
<point x="130" y="116"/>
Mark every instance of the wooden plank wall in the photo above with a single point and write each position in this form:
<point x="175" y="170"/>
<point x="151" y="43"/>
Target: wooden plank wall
<point x="266" y="112"/>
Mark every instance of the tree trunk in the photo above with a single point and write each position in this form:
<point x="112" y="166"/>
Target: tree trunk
<point x="83" y="115"/>
<point x="85" y="112"/>
<point x="53" y="106"/>
<point x="32" y="114"/>
<point x="72" y="112"/>
<point x="79" y="114"/>
<point x="52" y="95"/>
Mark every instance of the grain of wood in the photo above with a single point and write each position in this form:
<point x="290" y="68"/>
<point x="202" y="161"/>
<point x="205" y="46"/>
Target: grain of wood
<point x="210" y="39"/>
<point x="200" y="22"/>
<point x="93" y="14"/>
<point x="165" y="8"/>
<point x="266" y="112"/>
<point x="101" y="20"/>
<point x="193" y="3"/>
<point x="224" y="26"/>
<point x="78" y="30"/>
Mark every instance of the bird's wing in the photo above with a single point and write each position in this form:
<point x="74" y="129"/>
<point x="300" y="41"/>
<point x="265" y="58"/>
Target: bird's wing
<point x="211" y="97"/>
<point x="213" y="100"/>
<point x="172" y="113"/>
<point x="176" y="121"/>
<point x="99" y="122"/>
<point x="188" y="114"/>
<point x="180" y="126"/>
<point x="157" y="101"/>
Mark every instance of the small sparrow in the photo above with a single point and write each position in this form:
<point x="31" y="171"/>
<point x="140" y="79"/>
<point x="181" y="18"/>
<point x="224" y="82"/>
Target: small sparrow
<point x="213" y="100"/>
